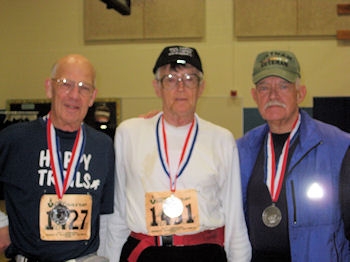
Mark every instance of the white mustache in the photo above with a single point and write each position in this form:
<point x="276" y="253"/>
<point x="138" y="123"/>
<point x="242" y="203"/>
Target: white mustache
<point x="274" y="103"/>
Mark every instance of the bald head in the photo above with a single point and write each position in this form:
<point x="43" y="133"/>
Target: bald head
<point x="75" y="60"/>
<point x="71" y="90"/>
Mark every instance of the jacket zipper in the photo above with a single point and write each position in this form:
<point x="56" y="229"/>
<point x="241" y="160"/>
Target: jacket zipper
<point x="335" y="247"/>
<point x="294" y="205"/>
<point x="292" y="182"/>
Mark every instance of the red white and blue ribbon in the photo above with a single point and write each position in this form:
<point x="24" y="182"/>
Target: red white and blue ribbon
<point x="275" y="174"/>
<point x="63" y="178"/>
<point x="185" y="154"/>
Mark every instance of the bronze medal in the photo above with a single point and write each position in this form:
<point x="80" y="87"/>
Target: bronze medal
<point x="271" y="216"/>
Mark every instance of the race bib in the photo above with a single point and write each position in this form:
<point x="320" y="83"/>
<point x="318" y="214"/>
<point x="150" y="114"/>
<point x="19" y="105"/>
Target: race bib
<point x="66" y="219"/>
<point x="160" y="224"/>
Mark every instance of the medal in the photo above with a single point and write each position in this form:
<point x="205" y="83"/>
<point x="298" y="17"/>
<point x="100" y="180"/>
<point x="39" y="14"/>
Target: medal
<point x="173" y="207"/>
<point x="62" y="181"/>
<point x="271" y="216"/>
<point x="60" y="214"/>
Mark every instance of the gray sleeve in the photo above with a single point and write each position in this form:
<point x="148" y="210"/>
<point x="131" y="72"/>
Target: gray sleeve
<point x="3" y="219"/>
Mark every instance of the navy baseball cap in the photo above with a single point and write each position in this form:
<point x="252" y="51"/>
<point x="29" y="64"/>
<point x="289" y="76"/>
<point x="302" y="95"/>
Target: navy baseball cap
<point x="180" y="55"/>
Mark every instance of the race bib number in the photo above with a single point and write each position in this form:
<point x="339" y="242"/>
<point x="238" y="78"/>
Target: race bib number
<point x="65" y="219"/>
<point x="159" y="224"/>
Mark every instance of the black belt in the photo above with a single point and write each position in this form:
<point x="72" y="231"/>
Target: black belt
<point x="166" y="241"/>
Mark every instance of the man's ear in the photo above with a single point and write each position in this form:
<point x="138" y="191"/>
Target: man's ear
<point x="93" y="96"/>
<point x="157" y="88"/>
<point x="201" y="87"/>
<point x="254" y="95"/>
<point x="48" y="88"/>
<point x="301" y="93"/>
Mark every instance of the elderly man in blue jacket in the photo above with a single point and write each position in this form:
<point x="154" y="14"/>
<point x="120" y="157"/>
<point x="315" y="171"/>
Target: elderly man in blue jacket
<point x="290" y="170"/>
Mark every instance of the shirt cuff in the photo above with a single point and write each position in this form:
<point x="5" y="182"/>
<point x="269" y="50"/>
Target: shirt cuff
<point x="3" y="219"/>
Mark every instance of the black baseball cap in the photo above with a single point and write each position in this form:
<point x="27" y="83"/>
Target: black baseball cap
<point x="180" y="55"/>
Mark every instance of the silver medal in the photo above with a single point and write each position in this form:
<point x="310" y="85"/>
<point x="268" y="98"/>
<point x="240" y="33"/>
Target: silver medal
<point x="60" y="214"/>
<point x="173" y="207"/>
<point x="271" y="216"/>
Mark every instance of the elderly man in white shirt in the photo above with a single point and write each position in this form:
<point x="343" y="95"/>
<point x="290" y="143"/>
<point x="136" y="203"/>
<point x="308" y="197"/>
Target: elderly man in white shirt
<point x="178" y="189"/>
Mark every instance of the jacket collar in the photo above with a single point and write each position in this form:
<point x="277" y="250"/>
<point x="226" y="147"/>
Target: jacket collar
<point x="257" y="139"/>
<point x="309" y="135"/>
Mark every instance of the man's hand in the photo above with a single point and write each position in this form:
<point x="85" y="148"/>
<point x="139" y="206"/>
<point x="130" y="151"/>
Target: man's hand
<point x="149" y="114"/>
<point x="4" y="238"/>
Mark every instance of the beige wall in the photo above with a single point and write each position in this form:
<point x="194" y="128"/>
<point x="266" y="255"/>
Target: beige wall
<point x="34" y="33"/>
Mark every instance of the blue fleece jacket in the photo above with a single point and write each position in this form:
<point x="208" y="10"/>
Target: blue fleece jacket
<point x="316" y="230"/>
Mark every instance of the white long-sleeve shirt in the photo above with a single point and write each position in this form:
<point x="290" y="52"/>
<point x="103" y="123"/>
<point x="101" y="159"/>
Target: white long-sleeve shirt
<point x="3" y="220"/>
<point x="212" y="170"/>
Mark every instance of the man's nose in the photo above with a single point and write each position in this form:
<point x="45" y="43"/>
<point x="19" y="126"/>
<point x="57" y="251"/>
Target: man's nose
<point x="180" y="84"/>
<point x="74" y="91"/>
<point x="274" y="91"/>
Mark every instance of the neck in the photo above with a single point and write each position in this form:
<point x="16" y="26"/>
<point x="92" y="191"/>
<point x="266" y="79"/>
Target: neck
<point x="178" y="120"/>
<point x="63" y="126"/>
<point x="282" y="126"/>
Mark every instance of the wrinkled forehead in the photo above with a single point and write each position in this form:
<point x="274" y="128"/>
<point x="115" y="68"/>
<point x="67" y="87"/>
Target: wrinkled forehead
<point x="178" y="68"/>
<point x="273" y="79"/>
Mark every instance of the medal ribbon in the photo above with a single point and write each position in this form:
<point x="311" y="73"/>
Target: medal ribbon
<point x="275" y="177"/>
<point x="179" y="170"/>
<point x="62" y="181"/>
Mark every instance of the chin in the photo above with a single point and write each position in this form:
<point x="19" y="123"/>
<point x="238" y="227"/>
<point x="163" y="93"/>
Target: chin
<point x="182" y="110"/>
<point x="274" y="111"/>
<point x="273" y="116"/>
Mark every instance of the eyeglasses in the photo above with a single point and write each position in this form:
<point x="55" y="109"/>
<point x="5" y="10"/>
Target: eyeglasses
<point x="66" y="85"/>
<point x="170" y="81"/>
<point x="266" y="89"/>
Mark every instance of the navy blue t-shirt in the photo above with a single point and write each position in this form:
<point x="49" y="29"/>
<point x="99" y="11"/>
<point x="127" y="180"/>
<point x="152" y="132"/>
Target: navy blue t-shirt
<point x="26" y="176"/>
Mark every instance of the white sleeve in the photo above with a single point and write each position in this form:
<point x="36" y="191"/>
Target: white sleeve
<point x="114" y="230"/>
<point x="3" y="219"/>
<point x="237" y="245"/>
